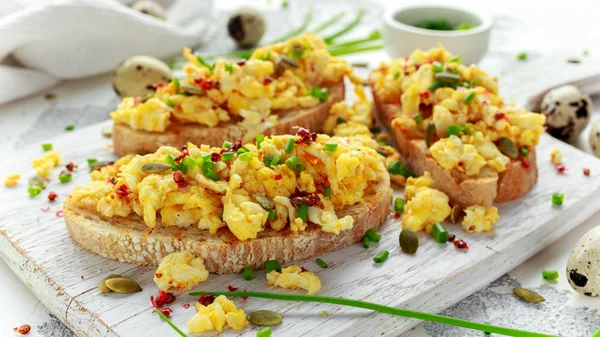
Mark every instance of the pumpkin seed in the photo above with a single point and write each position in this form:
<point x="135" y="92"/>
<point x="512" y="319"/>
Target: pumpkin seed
<point x="100" y="164"/>
<point x="290" y="61"/>
<point x="508" y="148"/>
<point x="264" y="202"/>
<point x="192" y="89"/>
<point x="123" y="285"/>
<point x="156" y="167"/>
<point x="457" y="214"/>
<point x="38" y="181"/>
<point x="409" y="241"/>
<point x="145" y="98"/>
<point x="447" y="77"/>
<point x="430" y="134"/>
<point x="264" y="317"/>
<point x="528" y="296"/>
<point x="107" y="131"/>
<point x="103" y="287"/>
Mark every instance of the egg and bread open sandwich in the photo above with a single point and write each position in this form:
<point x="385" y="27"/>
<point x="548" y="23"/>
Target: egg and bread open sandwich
<point x="280" y="198"/>
<point x="292" y="83"/>
<point x="449" y="120"/>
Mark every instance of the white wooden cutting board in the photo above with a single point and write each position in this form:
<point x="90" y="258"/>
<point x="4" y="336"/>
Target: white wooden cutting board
<point x="36" y="245"/>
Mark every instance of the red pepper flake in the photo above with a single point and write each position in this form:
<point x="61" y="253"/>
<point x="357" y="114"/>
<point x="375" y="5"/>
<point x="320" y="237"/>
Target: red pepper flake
<point x="136" y="101"/>
<point x="206" y="84"/>
<point x="312" y="67"/>
<point x="232" y="288"/>
<point x="425" y="94"/>
<point x="157" y="303"/>
<point x="186" y="306"/>
<point x="460" y="244"/>
<point x="158" y="85"/>
<point x="236" y="146"/>
<point x="206" y="299"/>
<point x="486" y="91"/>
<point x="166" y="311"/>
<point x="60" y="213"/>
<point x="170" y="298"/>
<point x="430" y="61"/>
<point x="277" y="176"/>
<point x="303" y="269"/>
<point x="472" y="228"/>
<point x="71" y="166"/>
<point x="241" y="62"/>
<point x="215" y="156"/>
<point x="179" y="179"/>
<point x="586" y="172"/>
<point x="397" y="215"/>
<point x="267" y="80"/>
<point x="123" y="191"/>
<point x="52" y="196"/>
<point x="560" y="168"/>
<point x="184" y="153"/>
<point x="306" y="137"/>
<point x="111" y="180"/>
<point x="448" y="69"/>
<point x="310" y="199"/>
<point x="500" y="116"/>
<point x="46" y="210"/>
<point x="524" y="163"/>
<point x="451" y="237"/>
<point x="23" y="329"/>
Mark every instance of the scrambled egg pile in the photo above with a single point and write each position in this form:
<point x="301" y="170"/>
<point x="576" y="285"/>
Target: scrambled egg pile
<point x="216" y="315"/>
<point x="275" y="78"/>
<point x="43" y="165"/>
<point x="180" y="271"/>
<point x="293" y="277"/>
<point x="424" y="205"/>
<point x="480" y="218"/>
<point x="462" y="103"/>
<point x="12" y="180"/>
<point x="282" y="180"/>
<point x="556" y="157"/>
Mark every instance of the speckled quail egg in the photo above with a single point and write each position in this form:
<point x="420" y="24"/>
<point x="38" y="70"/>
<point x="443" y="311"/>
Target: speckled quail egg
<point x="595" y="138"/>
<point x="246" y="27"/>
<point x="136" y="75"/>
<point x="567" y="112"/>
<point x="583" y="267"/>
<point x="151" y="8"/>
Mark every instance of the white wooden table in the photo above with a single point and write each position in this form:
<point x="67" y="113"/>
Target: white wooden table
<point x="520" y="26"/>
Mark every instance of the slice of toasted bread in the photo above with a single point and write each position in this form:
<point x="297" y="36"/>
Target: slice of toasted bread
<point x="484" y="189"/>
<point x="128" y="240"/>
<point x="127" y="140"/>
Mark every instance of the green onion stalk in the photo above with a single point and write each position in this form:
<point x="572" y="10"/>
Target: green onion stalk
<point x="382" y="308"/>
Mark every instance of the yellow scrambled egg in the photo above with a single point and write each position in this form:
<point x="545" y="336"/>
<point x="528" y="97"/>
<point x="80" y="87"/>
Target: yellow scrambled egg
<point x="49" y="161"/>
<point x="12" y="180"/>
<point x="222" y="312"/>
<point x="180" y="271"/>
<point x="246" y="192"/>
<point x="556" y="157"/>
<point x="480" y="218"/>
<point x="424" y="205"/>
<point x="275" y="78"/>
<point x="293" y="277"/>
<point x="462" y="102"/>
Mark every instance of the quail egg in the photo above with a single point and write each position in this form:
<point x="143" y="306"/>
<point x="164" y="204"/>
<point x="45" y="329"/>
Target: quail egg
<point x="246" y="27"/>
<point x="567" y="112"/>
<point x="135" y="76"/>
<point x="151" y="8"/>
<point x="583" y="267"/>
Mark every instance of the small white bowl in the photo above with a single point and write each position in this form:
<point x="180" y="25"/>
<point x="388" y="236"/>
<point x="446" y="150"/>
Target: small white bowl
<point x="401" y="36"/>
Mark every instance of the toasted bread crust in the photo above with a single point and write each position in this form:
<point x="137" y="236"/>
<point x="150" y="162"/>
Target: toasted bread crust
<point x="127" y="239"/>
<point x="127" y="140"/>
<point x="485" y="189"/>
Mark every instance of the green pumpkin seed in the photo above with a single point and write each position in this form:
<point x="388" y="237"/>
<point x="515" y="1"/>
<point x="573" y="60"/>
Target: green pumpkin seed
<point x="102" y="286"/>
<point x="145" y="98"/>
<point x="264" y="202"/>
<point x="264" y="317"/>
<point x="38" y="181"/>
<point x="156" y="167"/>
<point x="123" y="285"/>
<point x="100" y="164"/>
<point x="290" y="61"/>
<point x="447" y="77"/>
<point x="409" y="241"/>
<point x="430" y="134"/>
<point x="192" y="89"/>
<point x="508" y="148"/>
<point x="528" y="296"/>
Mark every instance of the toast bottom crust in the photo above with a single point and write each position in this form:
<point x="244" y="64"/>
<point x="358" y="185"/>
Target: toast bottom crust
<point x="127" y="239"/>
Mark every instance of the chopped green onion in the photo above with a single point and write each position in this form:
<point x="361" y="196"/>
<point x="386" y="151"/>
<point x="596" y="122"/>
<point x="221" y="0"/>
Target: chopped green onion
<point x="396" y="75"/>
<point x="522" y="56"/>
<point x="170" y="103"/>
<point x="437" y="67"/>
<point x="297" y="51"/>
<point x="399" y="205"/>
<point x="248" y="274"/>
<point x="303" y="212"/>
<point x="366" y="242"/>
<point x="34" y="190"/>
<point x="69" y="127"/>
<point x="375" y="129"/>
<point x="454" y="70"/>
<point x="272" y="265"/>
<point x="242" y="149"/>
<point x="340" y="120"/>
<point x="210" y="174"/>
<point x="418" y="119"/>
<point x="373" y="235"/>
<point x="164" y="318"/>
<point x="398" y="168"/>
<point x="226" y="145"/>
<point x="47" y="147"/>
<point x="176" y="82"/>
<point x="246" y="156"/>
<point x="381" y="256"/>
<point x="439" y="232"/>
<point x="229" y="67"/>
<point x="188" y="162"/>
<point x="227" y="156"/>
<point x="294" y="163"/>
<point x="268" y="160"/>
<point x="454" y="130"/>
<point x="550" y="275"/>
<point x="204" y="63"/>
<point x="266" y="332"/>
<point x="169" y="159"/>
<point x="272" y="215"/>
<point x="321" y="263"/>
<point x="207" y="164"/>
<point x="327" y="192"/>
<point x="469" y="98"/>
<point x="259" y="139"/>
<point x="383" y="153"/>
<point x="65" y="178"/>
<point x="524" y="151"/>
<point x="221" y="215"/>
<point x="330" y="147"/>
<point x="275" y="160"/>
<point x="557" y="199"/>
<point x="91" y="161"/>
<point x="321" y="93"/>
<point x="456" y="59"/>
<point x="289" y="146"/>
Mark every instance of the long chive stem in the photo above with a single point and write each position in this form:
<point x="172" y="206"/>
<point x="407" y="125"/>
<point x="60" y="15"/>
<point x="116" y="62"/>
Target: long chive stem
<point x="329" y="39"/>
<point x="351" y="50"/>
<point x="374" y="36"/>
<point x="297" y="31"/>
<point x="382" y="308"/>
<point x="166" y="319"/>
<point x="325" y="24"/>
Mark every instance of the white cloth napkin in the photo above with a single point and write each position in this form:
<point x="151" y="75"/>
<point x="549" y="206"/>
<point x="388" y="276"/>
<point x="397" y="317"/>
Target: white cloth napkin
<point x="67" y="39"/>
